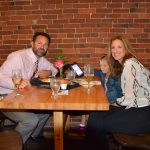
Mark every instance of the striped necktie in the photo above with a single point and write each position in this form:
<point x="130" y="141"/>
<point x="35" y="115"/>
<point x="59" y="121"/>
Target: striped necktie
<point x="36" y="68"/>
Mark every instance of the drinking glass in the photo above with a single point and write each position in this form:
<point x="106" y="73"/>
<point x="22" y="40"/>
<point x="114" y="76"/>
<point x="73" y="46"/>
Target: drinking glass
<point x="16" y="78"/>
<point x="89" y="74"/>
<point x="71" y="76"/>
<point x="55" y="86"/>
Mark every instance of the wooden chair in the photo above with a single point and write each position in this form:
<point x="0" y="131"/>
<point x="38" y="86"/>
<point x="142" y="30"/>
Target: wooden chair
<point x="2" y="119"/>
<point x="9" y="139"/>
<point x="136" y="141"/>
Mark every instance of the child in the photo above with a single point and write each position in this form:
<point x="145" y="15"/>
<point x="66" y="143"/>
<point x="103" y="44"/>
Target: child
<point x="111" y="85"/>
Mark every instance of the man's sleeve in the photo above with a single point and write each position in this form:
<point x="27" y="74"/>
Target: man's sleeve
<point x="6" y="71"/>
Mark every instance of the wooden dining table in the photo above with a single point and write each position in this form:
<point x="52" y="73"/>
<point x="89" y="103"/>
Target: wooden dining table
<point x="37" y="98"/>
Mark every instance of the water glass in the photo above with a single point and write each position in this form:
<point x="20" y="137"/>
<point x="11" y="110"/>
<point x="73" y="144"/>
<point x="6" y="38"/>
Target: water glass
<point x="70" y="75"/>
<point x="55" y="86"/>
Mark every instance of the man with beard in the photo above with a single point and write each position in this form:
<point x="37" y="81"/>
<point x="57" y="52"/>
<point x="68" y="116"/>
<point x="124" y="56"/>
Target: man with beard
<point x="32" y="63"/>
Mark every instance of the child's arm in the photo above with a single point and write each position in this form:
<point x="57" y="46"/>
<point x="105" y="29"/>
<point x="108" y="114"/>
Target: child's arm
<point x="114" y="90"/>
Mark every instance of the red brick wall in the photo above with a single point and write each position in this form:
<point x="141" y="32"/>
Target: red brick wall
<point x="81" y="28"/>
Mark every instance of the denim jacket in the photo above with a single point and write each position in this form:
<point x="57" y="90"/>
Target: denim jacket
<point x="114" y="90"/>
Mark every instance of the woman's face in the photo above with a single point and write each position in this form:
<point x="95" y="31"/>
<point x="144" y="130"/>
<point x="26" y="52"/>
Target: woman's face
<point x="118" y="50"/>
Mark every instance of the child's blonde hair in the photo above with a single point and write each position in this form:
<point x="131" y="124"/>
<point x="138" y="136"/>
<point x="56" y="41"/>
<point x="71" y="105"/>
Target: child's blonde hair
<point x="105" y="56"/>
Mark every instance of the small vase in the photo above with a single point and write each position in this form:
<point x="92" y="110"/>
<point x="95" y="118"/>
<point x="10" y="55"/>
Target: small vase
<point x="61" y="72"/>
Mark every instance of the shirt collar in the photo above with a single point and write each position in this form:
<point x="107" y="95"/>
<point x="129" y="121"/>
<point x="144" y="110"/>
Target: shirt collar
<point x="33" y="56"/>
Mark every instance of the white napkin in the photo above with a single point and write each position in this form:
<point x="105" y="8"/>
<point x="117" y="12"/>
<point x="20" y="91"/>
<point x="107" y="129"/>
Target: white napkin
<point x="92" y="83"/>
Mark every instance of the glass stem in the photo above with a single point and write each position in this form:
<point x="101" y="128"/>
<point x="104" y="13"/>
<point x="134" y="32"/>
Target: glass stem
<point x="18" y="91"/>
<point x="17" y="86"/>
<point x="88" y="90"/>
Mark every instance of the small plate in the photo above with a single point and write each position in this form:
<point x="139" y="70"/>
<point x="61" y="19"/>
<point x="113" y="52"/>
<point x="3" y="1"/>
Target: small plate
<point x="65" y="81"/>
<point x="79" y="80"/>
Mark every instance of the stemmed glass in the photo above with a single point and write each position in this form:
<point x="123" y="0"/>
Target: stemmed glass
<point x="89" y="74"/>
<point x="55" y="86"/>
<point x="71" y="76"/>
<point x="16" y="78"/>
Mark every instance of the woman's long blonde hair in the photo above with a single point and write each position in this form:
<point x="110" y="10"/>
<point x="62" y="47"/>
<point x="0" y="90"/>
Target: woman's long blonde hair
<point x="116" y="66"/>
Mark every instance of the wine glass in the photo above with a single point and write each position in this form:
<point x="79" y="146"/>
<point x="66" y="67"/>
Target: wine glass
<point x="55" y="86"/>
<point x="16" y="78"/>
<point x="89" y="74"/>
<point x="70" y="75"/>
